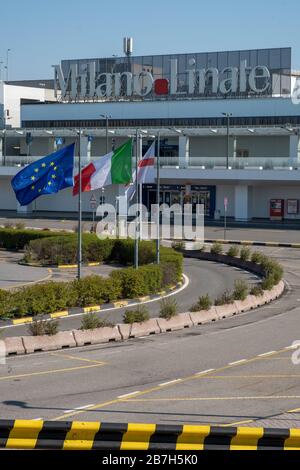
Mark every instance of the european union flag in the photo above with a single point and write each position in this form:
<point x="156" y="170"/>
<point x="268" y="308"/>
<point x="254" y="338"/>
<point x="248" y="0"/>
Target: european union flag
<point x="46" y="176"/>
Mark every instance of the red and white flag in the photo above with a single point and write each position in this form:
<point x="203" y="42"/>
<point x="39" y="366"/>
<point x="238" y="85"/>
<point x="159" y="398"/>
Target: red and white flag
<point x="146" y="171"/>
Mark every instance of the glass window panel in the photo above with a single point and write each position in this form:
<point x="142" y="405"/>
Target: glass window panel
<point x="245" y="55"/>
<point x="201" y="60"/>
<point x="253" y="58"/>
<point x="234" y="59"/>
<point x="275" y="59"/>
<point x="263" y="57"/>
<point x="222" y="60"/>
<point x="166" y="66"/>
<point x="182" y="63"/>
<point x="286" y="58"/>
<point x="157" y="65"/>
<point x="212" y="59"/>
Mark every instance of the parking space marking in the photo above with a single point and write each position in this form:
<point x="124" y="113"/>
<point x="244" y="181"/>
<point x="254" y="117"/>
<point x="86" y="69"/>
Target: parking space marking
<point x="157" y="388"/>
<point x="68" y="356"/>
<point x="48" y="372"/>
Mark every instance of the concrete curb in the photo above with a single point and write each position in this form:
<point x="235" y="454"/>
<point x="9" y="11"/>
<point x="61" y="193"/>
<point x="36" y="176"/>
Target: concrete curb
<point x="254" y="243"/>
<point x="122" y="332"/>
<point x="40" y="434"/>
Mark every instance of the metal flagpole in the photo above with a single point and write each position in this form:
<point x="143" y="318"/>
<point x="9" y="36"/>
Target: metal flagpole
<point x="158" y="199"/>
<point x="136" y="241"/>
<point x="79" y="249"/>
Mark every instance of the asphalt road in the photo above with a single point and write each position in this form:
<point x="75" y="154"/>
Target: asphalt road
<point x="264" y="234"/>
<point x="165" y="378"/>
<point x="203" y="277"/>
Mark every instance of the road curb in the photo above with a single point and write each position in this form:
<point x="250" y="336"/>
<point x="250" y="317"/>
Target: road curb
<point x="94" y="308"/>
<point x="23" y="434"/>
<point x="121" y="332"/>
<point x="254" y="243"/>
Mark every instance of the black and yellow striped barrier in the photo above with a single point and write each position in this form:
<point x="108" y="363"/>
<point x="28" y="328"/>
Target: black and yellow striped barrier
<point x="254" y="243"/>
<point x="21" y="434"/>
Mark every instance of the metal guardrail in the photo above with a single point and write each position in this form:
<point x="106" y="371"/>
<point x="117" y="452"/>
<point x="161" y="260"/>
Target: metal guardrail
<point x="261" y="163"/>
<point x="21" y="434"/>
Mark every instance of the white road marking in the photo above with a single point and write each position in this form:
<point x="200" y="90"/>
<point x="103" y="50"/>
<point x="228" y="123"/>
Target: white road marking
<point x="237" y="362"/>
<point x="129" y="394"/>
<point x="170" y="382"/>
<point x="79" y="408"/>
<point x="266" y="354"/>
<point x="205" y="371"/>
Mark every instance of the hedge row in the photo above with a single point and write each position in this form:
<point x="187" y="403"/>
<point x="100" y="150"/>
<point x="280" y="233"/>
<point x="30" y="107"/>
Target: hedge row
<point x="13" y="239"/>
<point x="93" y="290"/>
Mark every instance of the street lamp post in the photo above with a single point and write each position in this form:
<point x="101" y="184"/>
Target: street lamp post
<point x="228" y="116"/>
<point x="7" y="70"/>
<point x="79" y="249"/>
<point x="106" y="117"/>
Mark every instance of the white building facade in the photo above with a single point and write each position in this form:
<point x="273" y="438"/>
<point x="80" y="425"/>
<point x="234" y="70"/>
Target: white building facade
<point x="228" y="125"/>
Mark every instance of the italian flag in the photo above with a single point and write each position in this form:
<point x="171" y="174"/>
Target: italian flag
<point x="113" y="168"/>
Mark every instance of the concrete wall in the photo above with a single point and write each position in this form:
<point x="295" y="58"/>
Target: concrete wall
<point x="11" y="95"/>
<point x="162" y="109"/>
<point x="263" y="194"/>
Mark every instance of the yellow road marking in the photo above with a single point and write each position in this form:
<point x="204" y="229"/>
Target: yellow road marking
<point x="266" y="397"/>
<point x="158" y="388"/>
<point x="47" y="372"/>
<point x="94" y="308"/>
<point x="59" y="314"/>
<point x="68" y="356"/>
<point x="236" y="424"/>
<point x="121" y="304"/>
<point x="22" y="320"/>
<point x="67" y="266"/>
<point x="297" y="410"/>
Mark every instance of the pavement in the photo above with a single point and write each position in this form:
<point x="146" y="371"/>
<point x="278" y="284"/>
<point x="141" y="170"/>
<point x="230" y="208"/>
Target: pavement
<point x="281" y="233"/>
<point x="236" y="371"/>
<point x="13" y="275"/>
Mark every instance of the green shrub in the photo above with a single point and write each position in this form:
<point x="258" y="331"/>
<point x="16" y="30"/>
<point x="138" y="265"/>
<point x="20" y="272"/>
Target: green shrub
<point x="216" y="249"/>
<point x="168" y="308"/>
<point x="240" y="290"/>
<point x="257" y="257"/>
<point x="204" y="303"/>
<point x="90" y="321"/>
<point x="40" y="327"/>
<point x="138" y="315"/>
<point x="224" y="299"/>
<point x="245" y="253"/>
<point x="96" y="290"/>
<point x="233" y="251"/>
<point x="20" y="226"/>
<point x="257" y="290"/>
<point x="268" y="283"/>
<point x="12" y="239"/>
<point x="51" y="327"/>
<point x="37" y="327"/>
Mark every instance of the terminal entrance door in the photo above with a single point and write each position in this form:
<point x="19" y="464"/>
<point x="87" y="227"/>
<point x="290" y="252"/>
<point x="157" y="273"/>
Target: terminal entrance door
<point x="202" y="197"/>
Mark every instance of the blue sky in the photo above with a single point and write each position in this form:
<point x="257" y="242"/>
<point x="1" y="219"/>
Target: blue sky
<point x="42" y="32"/>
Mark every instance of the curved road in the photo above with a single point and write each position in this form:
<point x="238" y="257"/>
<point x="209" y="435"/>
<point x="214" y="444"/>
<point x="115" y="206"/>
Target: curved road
<point x="204" y="277"/>
<point x="236" y="371"/>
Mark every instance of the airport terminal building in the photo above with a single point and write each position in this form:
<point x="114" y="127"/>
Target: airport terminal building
<point x="228" y="124"/>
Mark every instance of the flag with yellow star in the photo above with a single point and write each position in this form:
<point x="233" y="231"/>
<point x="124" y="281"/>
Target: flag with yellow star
<point x="45" y="176"/>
